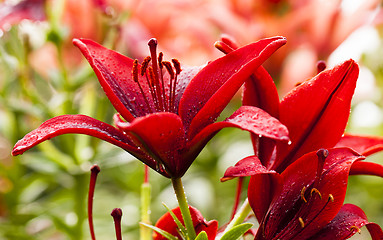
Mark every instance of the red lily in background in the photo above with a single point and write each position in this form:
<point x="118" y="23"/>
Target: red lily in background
<point x="315" y="112"/>
<point x="169" y="110"/>
<point x="305" y="201"/>
<point x="26" y="9"/>
<point x="167" y="223"/>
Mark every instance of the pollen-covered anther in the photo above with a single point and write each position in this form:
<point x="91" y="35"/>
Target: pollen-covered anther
<point x="135" y="70"/>
<point x="145" y="65"/>
<point x="177" y="66"/>
<point x="160" y="59"/>
<point x="303" y="194"/>
<point x="355" y="228"/>
<point x="330" y="198"/>
<point x="301" y="222"/>
<point x="169" y="68"/>
<point x="314" y="190"/>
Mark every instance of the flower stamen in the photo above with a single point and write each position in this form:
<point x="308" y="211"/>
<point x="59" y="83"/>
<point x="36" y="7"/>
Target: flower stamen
<point x="301" y="222"/>
<point x="95" y="169"/>
<point x="303" y="194"/>
<point x="135" y="79"/>
<point x="314" y="190"/>
<point x="355" y="228"/>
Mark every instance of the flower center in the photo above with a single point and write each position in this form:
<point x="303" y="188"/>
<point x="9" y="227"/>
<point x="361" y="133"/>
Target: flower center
<point x="162" y="90"/>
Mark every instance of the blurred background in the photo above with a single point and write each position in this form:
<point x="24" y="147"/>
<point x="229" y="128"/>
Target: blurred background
<point x="42" y="75"/>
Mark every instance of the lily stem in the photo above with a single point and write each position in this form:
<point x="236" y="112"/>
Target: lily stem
<point x="145" y="232"/>
<point x="184" y="207"/>
<point x="240" y="216"/>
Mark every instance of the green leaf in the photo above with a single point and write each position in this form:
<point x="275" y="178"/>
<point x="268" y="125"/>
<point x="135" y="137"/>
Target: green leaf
<point x="177" y="221"/>
<point x="202" y="236"/>
<point x="237" y="231"/>
<point x="160" y="231"/>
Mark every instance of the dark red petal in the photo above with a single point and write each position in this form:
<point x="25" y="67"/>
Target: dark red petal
<point x="375" y="231"/>
<point x="163" y="135"/>
<point x="247" y="118"/>
<point x="74" y="124"/>
<point x="366" y="168"/>
<point x="212" y="88"/>
<point x="316" y="112"/>
<point x="346" y="223"/>
<point x="167" y="223"/>
<point x="365" y="145"/>
<point x="260" y="91"/>
<point x="246" y="167"/>
<point x="26" y="9"/>
<point x="316" y="213"/>
<point x="114" y="71"/>
<point x="263" y="185"/>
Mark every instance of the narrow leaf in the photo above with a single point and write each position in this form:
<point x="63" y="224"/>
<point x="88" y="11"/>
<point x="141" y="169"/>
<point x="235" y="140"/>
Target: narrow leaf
<point x="237" y="231"/>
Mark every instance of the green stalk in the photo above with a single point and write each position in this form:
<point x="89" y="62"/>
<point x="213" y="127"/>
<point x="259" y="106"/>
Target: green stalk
<point x="145" y="232"/>
<point x="184" y="207"/>
<point x="240" y="216"/>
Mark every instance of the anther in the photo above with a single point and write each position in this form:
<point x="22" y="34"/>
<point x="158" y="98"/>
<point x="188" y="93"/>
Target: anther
<point x="145" y="65"/>
<point x="135" y="70"/>
<point x="321" y="65"/>
<point x="176" y="65"/>
<point x="317" y="192"/>
<point x="160" y="59"/>
<point x="169" y="68"/>
<point x="301" y="222"/>
<point x="330" y="198"/>
<point x="117" y="214"/>
<point x="352" y="228"/>
<point x="303" y="194"/>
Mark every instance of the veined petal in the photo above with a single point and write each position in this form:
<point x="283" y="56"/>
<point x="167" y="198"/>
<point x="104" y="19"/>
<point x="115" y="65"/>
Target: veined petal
<point x="246" y="167"/>
<point x="260" y="91"/>
<point x="366" y="168"/>
<point x="167" y="223"/>
<point x="315" y="210"/>
<point x="82" y="124"/>
<point x="247" y="118"/>
<point x="162" y="135"/>
<point x="212" y="88"/>
<point x="365" y="145"/>
<point x="263" y="185"/>
<point x="346" y="223"/>
<point x="316" y="112"/>
<point x="114" y="72"/>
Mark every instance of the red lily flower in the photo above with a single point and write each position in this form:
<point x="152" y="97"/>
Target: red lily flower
<point x="170" y="114"/>
<point x="167" y="223"/>
<point x="306" y="200"/>
<point x="315" y="112"/>
<point x="26" y="9"/>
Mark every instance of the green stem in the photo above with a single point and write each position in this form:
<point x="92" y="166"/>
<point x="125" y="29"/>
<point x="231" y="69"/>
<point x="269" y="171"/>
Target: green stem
<point x="240" y="216"/>
<point x="145" y="232"/>
<point x="184" y="207"/>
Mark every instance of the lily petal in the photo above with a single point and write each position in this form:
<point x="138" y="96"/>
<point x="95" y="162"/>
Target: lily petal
<point x="163" y="136"/>
<point x="365" y="145"/>
<point x="212" y="88"/>
<point x="263" y="185"/>
<point x="167" y="223"/>
<point x="247" y="118"/>
<point x="82" y="124"/>
<point x="260" y="91"/>
<point x="316" y="112"/>
<point x="346" y="223"/>
<point x="320" y="208"/>
<point x="366" y="168"/>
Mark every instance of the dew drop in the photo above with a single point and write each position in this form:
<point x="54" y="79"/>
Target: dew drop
<point x="289" y="143"/>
